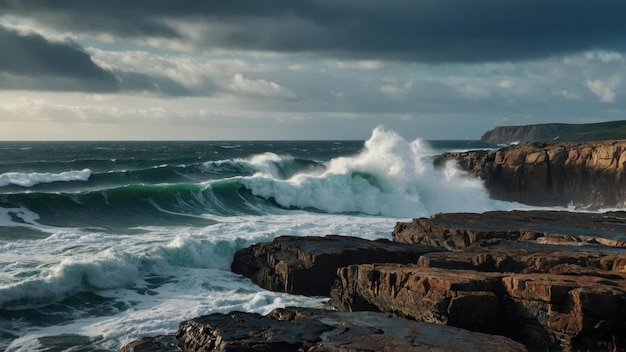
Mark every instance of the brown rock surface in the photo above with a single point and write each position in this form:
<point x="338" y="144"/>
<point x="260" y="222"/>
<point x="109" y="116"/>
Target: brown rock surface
<point x="526" y="258"/>
<point x="308" y="265"/>
<point x="316" y="330"/>
<point x="553" y="280"/>
<point x="544" y="311"/>
<point x="460" y="230"/>
<point x="588" y="174"/>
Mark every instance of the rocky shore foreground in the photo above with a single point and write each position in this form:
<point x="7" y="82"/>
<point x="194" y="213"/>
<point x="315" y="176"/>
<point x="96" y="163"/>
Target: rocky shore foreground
<point x="505" y="281"/>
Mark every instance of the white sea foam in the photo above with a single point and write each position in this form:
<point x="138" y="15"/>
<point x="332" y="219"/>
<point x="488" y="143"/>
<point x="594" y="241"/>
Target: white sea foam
<point x="197" y="261"/>
<point x="391" y="177"/>
<point x="8" y="217"/>
<point x="34" y="178"/>
<point x="232" y="165"/>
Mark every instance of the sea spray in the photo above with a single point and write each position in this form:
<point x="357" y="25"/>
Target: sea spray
<point x="390" y="177"/>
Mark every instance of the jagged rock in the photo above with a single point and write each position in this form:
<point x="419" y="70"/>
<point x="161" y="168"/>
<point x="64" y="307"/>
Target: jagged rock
<point x="460" y="230"/>
<point x="541" y="310"/>
<point x="587" y="174"/>
<point x="316" y="330"/>
<point x="308" y="265"/>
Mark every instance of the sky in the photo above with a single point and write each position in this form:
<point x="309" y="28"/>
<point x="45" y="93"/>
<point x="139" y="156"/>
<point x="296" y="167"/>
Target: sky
<point x="305" y="69"/>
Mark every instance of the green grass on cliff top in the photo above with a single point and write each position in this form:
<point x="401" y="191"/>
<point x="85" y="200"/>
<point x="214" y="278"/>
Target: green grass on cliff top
<point x="595" y="131"/>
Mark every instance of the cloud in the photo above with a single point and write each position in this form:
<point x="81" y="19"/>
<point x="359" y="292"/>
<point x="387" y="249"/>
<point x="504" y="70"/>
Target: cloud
<point x="260" y="87"/>
<point x="142" y="82"/>
<point x="392" y="87"/>
<point x="431" y="31"/>
<point x="32" y="62"/>
<point x="605" y="90"/>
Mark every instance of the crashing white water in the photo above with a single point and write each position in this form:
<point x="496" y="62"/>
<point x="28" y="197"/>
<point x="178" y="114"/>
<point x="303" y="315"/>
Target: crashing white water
<point x="391" y="177"/>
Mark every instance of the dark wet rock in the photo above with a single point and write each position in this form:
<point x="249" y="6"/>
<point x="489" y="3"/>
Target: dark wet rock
<point x="320" y="330"/>
<point x="587" y="174"/>
<point x="301" y="329"/>
<point x="308" y="265"/>
<point x="163" y="343"/>
<point x="460" y="230"/>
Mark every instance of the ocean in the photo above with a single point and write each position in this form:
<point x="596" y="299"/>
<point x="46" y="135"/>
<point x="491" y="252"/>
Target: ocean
<point x="105" y="242"/>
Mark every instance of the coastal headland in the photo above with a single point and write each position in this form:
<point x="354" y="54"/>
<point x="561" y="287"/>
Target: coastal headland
<point x="611" y="130"/>
<point x="508" y="281"/>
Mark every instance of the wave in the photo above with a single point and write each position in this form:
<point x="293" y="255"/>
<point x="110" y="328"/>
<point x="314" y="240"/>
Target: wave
<point x="114" y="174"/>
<point x="389" y="177"/>
<point x="102" y="266"/>
<point x="274" y="165"/>
<point x="35" y="178"/>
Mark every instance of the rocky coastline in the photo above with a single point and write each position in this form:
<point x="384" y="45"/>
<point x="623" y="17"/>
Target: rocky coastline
<point x="586" y="175"/>
<point x="506" y="281"/>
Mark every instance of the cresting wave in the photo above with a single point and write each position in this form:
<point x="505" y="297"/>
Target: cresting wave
<point x="35" y="178"/>
<point x="390" y="177"/>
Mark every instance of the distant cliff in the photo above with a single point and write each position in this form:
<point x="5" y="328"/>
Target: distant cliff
<point x="557" y="131"/>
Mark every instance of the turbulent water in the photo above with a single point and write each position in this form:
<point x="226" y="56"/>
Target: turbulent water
<point x="105" y="242"/>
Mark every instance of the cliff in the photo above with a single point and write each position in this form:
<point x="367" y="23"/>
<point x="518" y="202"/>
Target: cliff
<point x="556" y="131"/>
<point x="587" y="174"/>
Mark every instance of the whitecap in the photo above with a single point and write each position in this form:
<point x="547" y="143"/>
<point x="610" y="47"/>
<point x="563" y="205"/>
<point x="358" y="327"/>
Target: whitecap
<point x="34" y="178"/>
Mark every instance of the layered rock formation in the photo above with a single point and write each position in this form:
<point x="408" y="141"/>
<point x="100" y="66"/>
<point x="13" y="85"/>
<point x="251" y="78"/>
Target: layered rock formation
<point x="544" y="311"/>
<point x="552" y="280"/>
<point x="461" y="230"/>
<point x="554" y="131"/>
<point x="308" y="266"/>
<point x="591" y="174"/>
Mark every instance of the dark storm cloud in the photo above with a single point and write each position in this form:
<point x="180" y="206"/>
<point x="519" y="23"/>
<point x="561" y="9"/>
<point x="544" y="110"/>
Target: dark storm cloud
<point x="420" y="30"/>
<point x="32" y="62"/>
<point x="58" y="66"/>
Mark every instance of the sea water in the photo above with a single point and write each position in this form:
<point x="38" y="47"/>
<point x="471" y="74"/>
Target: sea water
<point x="105" y="242"/>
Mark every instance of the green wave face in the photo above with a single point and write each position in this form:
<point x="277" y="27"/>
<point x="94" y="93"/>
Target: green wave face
<point x="128" y="184"/>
